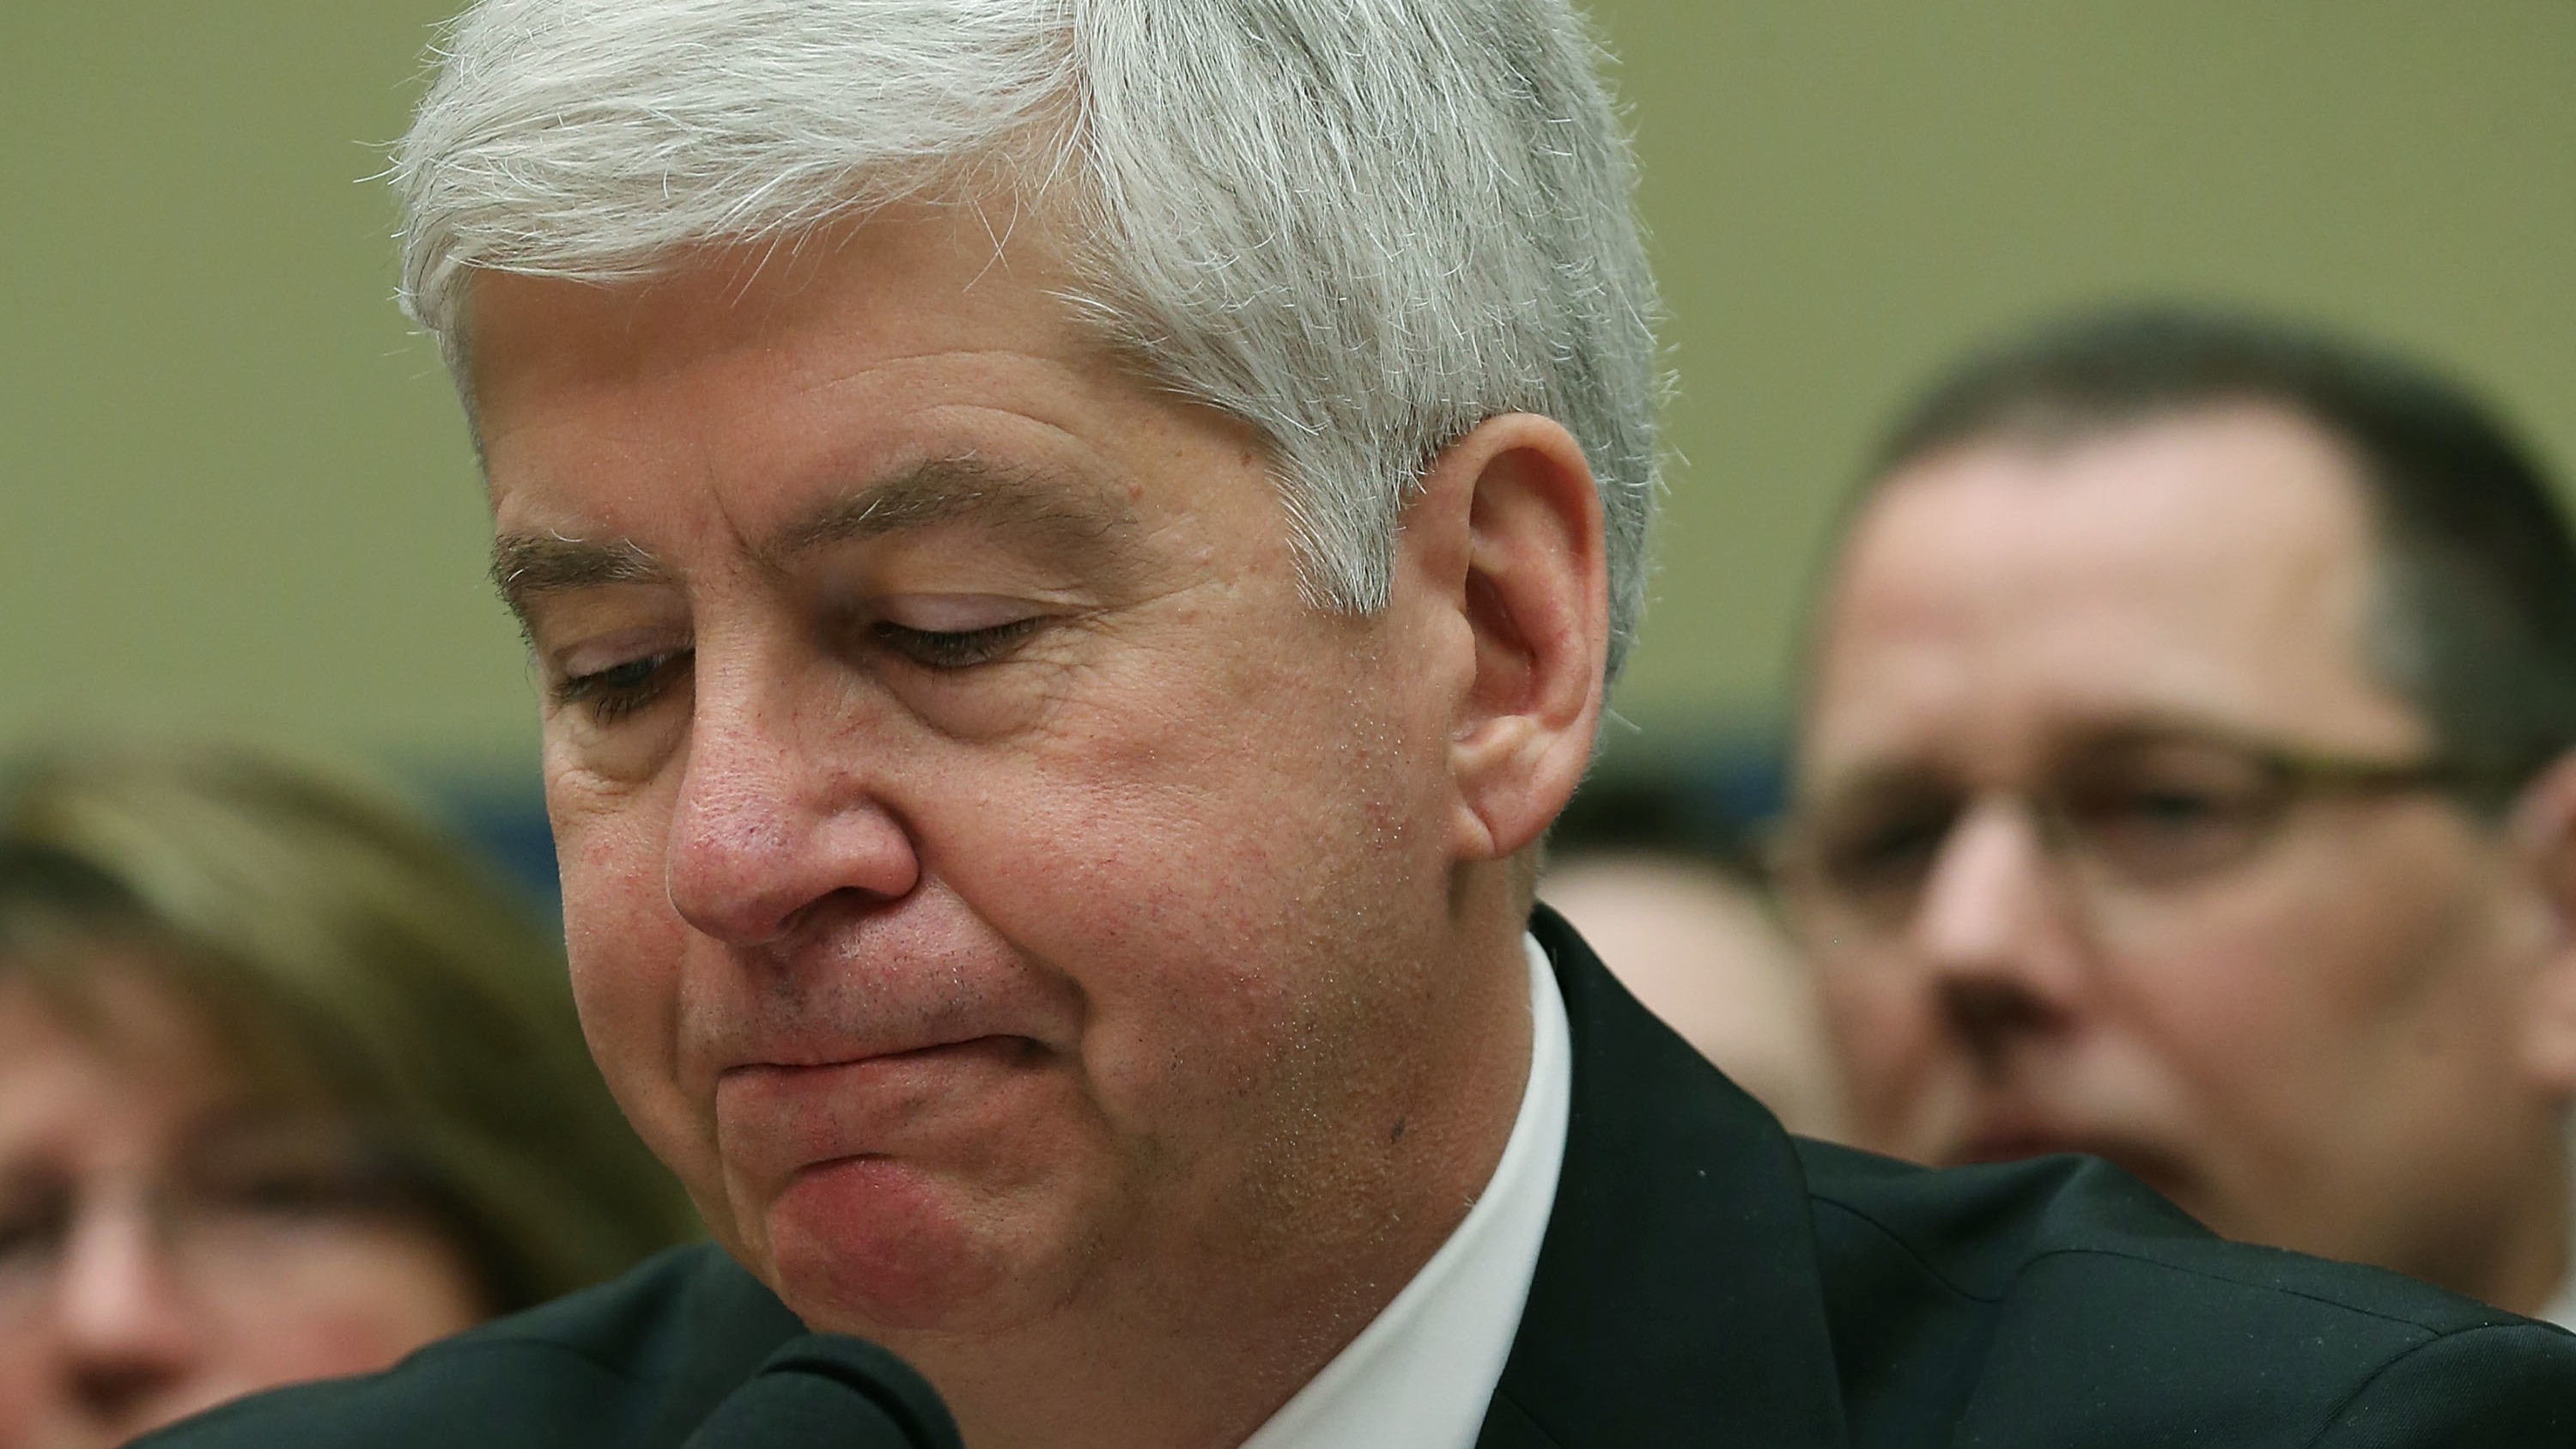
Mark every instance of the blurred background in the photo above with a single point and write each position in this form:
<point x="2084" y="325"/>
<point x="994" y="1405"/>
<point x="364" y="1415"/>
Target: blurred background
<point x="235" y="496"/>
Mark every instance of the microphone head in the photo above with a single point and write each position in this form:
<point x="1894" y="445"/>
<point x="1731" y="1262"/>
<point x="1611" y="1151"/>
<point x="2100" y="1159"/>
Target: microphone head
<point x="827" y="1391"/>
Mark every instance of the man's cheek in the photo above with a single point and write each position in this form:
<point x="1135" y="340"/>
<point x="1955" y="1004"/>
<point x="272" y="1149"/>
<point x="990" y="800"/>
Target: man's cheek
<point x="626" y="983"/>
<point x="1881" y="1021"/>
<point x="2241" y="1009"/>
<point x="631" y="1042"/>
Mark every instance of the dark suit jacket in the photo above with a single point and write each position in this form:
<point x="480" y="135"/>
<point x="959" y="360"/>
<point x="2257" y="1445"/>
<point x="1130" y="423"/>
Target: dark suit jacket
<point x="1705" y="1280"/>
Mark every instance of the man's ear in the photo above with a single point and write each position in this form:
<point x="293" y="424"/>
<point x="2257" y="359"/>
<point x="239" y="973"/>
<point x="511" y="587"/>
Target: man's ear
<point x="1506" y="540"/>
<point x="2543" y="830"/>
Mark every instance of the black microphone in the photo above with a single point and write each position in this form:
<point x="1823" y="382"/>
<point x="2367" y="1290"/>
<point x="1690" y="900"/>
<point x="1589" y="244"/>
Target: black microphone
<point x="826" y="1391"/>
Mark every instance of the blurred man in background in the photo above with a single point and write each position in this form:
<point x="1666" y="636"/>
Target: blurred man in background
<point x="1666" y="887"/>
<point x="2183" y="779"/>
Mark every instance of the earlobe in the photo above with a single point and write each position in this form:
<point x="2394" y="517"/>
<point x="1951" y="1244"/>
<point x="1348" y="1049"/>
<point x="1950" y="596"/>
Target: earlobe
<point x="2543" y="829"/>
<point x="1522" y="563"/>
<point x="2549" y="1032"/>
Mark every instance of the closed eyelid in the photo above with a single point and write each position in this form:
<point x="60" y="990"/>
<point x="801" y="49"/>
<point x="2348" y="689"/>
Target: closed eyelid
<point x="611" y="650"/>
<point x="954" y="613"/>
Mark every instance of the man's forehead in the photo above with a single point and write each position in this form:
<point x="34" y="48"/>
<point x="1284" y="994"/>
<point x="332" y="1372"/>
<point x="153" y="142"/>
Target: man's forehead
<point x="903" y="279"/>
<point x="2239" y="490"/>
<point x="892" y="373"/>
<point x="2214" y="566"/>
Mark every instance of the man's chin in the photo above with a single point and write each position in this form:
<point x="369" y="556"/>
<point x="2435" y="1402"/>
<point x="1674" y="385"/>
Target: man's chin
<point x="872" y="1245"/>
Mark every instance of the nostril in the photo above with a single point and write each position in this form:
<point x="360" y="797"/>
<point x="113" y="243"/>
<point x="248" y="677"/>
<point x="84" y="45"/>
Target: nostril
<point x="123" y="1391"/>
<point x="1990" y="1016"/>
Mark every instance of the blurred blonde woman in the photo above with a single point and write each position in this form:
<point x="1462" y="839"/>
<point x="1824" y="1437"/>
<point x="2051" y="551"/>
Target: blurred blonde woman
<point x="288" y="1087"/>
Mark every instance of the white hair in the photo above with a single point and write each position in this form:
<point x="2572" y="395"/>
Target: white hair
<point x="1361" y="226"/>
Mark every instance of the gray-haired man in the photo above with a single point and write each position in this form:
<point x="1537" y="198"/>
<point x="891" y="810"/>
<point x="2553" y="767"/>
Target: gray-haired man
<point x="1047" y="857"/>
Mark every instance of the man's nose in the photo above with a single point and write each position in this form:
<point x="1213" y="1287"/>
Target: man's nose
<point x="129" y="1332"/>
<point x="777" y="811"/>
<point x="1996" y="930"/>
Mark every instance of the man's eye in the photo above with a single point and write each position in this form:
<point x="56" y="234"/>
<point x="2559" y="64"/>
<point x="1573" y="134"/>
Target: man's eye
<point x="2156" y="808"/>
<point x="957" y="649"/>
<point x="621" y="689"/>
<point x="2171" y="807"/>
<point x="1888" y="852"/>
<point x="2154" y="832"/>
<point x="33" y="1228"/>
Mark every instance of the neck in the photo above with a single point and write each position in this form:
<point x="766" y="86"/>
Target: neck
<point x="1195" y="1343"/>
<point x="2525" y="1260"/>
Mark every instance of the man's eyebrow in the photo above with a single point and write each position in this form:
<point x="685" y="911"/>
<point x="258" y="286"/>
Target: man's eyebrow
<point x="2078" y="740"/>
<point x="1879" y="779"/>
<point x="526" y="565"/>
<point x="1056" y="513"/>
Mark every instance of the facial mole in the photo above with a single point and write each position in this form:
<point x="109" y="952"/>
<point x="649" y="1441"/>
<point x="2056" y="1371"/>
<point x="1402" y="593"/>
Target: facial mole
<point x="1398" y="1134"/>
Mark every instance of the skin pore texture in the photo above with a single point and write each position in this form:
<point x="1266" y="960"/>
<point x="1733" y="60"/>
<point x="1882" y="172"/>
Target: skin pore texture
<point x="111" y="1323"/>
<point x="1042" y="942"/>
<point x="2357" y="1043"/>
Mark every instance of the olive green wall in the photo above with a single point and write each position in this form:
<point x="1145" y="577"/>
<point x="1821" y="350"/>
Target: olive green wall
<point x="233" y="491"/>
<point x="234" y="494"/>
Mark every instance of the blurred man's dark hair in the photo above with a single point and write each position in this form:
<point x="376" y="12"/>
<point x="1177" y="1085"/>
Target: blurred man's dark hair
<point x="2476" y="622"/>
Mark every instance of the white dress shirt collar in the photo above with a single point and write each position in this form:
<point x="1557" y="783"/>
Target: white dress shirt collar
<point x="2561" y="1310"/>
<point x="1422" y="1373"/>
<point x="2561" y="1307"/>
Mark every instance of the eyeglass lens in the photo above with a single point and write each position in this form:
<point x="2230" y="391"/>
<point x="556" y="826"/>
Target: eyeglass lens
<point x="2135" y="814"/>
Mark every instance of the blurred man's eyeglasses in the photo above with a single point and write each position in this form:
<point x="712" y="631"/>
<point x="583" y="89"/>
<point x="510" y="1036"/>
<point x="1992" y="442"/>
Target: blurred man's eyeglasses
<point x="2130" y="812"/>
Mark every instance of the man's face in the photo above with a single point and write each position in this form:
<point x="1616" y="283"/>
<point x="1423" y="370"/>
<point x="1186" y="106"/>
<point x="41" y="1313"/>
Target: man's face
<point x="2311" y="1041"/>
<point x="981" y="867"/>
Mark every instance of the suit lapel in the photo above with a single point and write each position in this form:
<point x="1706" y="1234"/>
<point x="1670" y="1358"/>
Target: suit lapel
<point x="726" y="1325"/>
<point x="1677" y="1297"/>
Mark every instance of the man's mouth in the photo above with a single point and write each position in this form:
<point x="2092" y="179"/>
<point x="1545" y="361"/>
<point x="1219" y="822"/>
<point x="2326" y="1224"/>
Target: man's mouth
<point x="787" y="1062"/>
<point x="816" y="1106"/>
